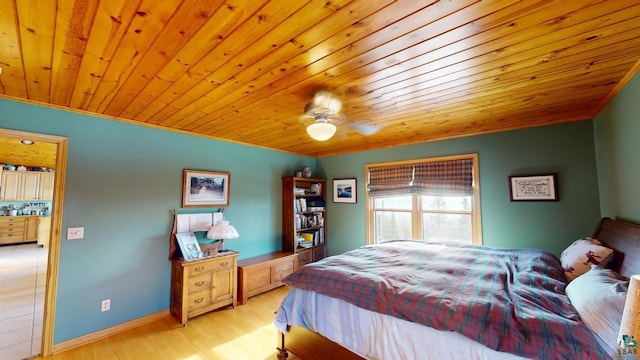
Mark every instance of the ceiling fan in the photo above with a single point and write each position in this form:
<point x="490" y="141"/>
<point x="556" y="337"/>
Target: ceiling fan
<point x="324" y="109"/>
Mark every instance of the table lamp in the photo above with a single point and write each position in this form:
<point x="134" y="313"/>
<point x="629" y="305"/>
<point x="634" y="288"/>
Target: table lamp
<point x="222" y="230"/>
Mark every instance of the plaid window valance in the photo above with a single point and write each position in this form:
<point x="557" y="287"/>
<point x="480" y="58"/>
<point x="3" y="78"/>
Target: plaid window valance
<point x="449" y="177"/>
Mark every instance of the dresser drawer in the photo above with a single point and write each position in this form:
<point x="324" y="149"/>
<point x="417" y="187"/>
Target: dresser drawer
<point x="199" y="300"/>
<point x="12" y="232"/>
<point x="304" y="258"/>
<point x="209" y="266"/>
<point x="199" y="282"/>
<point x="12" y="225"/>
<point x="11" y="220"/>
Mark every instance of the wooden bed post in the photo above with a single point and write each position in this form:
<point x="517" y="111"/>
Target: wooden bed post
<point x="282" y="352"/>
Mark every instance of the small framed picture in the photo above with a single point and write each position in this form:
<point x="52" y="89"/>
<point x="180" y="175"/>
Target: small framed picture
<point x="189" y="246"/>
<point x="205" y="188"/>
<point x="345" y="191"/>
<point x="533" y="187"/>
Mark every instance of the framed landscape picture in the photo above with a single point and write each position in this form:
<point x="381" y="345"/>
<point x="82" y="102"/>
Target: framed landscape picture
<point x="344" y="191"/>
<point x="205" y="188"/>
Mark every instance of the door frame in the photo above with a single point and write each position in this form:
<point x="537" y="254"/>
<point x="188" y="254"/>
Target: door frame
<point x="51" y="285"/>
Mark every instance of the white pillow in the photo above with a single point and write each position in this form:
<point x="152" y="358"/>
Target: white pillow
<point x="599" y="296"/>
<point x="581" y="254"/>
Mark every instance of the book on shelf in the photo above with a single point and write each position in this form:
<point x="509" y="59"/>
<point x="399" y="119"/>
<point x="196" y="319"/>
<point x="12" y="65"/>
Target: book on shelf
<point x="305" y="240"/>
<point x="311" y="236"/>
<point x="300" y="205"/>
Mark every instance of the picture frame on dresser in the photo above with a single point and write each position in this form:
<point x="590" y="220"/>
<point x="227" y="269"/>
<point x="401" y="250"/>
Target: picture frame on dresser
<point x="189" y="246"/>
<point x="205" y="188"/>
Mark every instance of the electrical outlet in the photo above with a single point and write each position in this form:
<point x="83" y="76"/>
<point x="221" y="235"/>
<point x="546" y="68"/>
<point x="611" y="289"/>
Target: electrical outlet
<point x="75" y="233"/>
<point x="106" y="305"/>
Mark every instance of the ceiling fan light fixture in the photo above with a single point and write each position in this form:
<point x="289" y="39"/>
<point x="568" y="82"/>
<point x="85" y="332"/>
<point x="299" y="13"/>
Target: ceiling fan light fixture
<point x="321" y="130"/>
<point x="325" y="101"/>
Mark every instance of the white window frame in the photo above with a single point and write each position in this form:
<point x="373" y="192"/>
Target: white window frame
<point x="416" y="217"/>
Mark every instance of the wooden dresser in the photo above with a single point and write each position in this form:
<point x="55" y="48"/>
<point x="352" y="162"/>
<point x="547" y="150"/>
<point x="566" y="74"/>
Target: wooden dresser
<point x="200" y="286"/>
<point x="18" y="229"/>
<point x="263" y="273"/>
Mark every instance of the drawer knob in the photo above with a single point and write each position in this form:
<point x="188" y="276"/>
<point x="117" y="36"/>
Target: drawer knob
<point x="198" y="300"/>
<point x="199" y="268"/>
<point x="225" y="263"/>
<point x="200" y="283"/>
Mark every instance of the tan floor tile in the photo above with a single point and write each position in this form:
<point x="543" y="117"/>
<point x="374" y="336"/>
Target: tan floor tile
<point x="23" y="276"/>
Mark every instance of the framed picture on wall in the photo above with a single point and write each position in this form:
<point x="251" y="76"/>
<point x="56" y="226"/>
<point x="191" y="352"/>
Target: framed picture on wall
<point x="205" y="188"/>
<point x="345" y="191"/>
<point x="533" y="187"/>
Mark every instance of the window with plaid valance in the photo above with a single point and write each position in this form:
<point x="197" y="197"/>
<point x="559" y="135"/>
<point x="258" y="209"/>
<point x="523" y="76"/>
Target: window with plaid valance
<point x="446" y="177"/>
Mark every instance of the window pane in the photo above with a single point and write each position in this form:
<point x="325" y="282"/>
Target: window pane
<point x="446" y="203"/>
<point x="396" y="202"/>
<point x="392" y="225"/>
<point x="447" y="227"/>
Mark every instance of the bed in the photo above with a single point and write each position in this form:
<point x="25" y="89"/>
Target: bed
<point x="334" y="321"/>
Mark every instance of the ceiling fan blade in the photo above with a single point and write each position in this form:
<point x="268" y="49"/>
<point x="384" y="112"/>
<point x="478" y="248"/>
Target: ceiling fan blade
<point x="365" y="129"/>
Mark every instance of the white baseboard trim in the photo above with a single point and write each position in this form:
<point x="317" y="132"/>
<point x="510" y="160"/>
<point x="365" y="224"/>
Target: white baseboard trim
<point x="98" y="335"/>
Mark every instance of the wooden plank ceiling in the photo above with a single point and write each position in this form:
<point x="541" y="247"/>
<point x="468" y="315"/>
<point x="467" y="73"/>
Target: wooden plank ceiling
<point x="243" y="70"/>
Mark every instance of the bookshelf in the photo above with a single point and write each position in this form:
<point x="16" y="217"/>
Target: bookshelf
<point x="304" y="221"/>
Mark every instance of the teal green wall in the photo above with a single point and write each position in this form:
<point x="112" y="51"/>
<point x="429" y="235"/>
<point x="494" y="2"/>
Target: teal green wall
<point x="566" y="149"/>
<point x="617" y="131"/>
<point x="123" y="183"/>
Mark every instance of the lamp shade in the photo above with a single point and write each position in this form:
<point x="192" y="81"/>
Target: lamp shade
<point x="222" y="230"/>
<point x="629" y="333"/>
<point x="321" y="130"/>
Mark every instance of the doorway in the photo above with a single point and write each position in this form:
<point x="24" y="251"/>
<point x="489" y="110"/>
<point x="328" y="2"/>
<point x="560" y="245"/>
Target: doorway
<point x="11" y="152"/>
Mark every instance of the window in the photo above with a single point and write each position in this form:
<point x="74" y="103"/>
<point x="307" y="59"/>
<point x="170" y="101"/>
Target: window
<point x="429" y="199"/>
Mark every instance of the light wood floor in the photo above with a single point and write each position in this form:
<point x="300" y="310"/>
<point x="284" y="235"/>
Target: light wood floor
<point x="246" y="332"/>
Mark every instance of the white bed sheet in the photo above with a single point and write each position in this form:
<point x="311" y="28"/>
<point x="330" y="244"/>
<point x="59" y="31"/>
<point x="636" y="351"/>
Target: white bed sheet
<point x="377" y="336"/>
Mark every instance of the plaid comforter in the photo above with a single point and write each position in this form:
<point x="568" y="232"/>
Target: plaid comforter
<point x="510" y="300"/>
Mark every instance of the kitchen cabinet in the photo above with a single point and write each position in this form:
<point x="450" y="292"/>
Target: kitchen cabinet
<point x="44" y="231"/>
<point x="26" y="186"/>
<point x="18" y="229"/>
<point x="45" y="191"/>
<point x="11" y="185"/>
<point x="30" y="186"/>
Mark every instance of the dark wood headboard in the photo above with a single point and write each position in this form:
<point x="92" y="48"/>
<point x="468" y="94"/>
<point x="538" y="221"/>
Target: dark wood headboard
<point x="624" y="238"/>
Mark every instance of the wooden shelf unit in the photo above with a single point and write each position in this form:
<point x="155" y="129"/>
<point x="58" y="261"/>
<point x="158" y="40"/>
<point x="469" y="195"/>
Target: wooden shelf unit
<point x="291" y="229"/>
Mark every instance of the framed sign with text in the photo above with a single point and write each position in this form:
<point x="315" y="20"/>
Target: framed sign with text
<point x="534" y="187"/>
